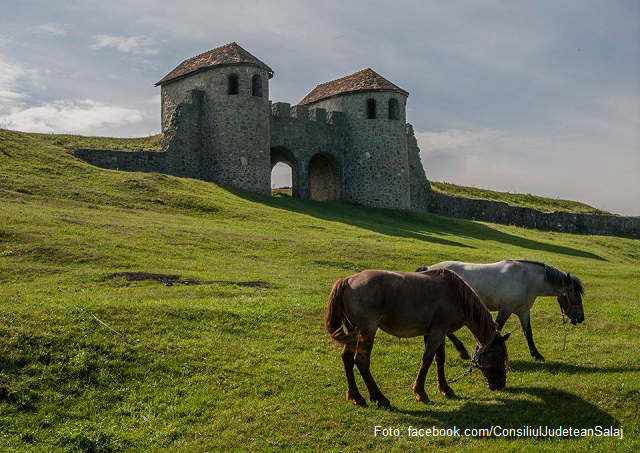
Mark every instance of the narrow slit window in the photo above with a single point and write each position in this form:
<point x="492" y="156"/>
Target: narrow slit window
<point x="256" y="86"/>
<point x="394" y="111"/>
<point x="234" y="84"/>
<point x="371" y="109"/>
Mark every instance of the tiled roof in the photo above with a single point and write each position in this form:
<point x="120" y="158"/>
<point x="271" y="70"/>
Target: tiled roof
<point x="364" y="80"/>
<point x="232" y="53"/>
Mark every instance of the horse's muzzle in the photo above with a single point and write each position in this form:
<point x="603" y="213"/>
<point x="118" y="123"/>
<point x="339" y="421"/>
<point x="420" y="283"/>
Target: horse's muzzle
<point x="496" y="385"/>
<point x="577" y="319"/>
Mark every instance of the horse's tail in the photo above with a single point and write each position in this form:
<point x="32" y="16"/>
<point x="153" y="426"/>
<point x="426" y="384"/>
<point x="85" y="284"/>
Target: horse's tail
<point x="335" y="318"/>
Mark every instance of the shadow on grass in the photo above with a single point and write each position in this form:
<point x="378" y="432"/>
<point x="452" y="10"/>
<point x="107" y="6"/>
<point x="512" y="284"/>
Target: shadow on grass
<point x="407" y="224"/>
<point x="557" y="367"/>
<point x="552" y="407"/>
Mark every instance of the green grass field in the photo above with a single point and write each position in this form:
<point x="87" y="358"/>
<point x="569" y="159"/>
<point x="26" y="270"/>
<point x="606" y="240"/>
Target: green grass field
<point x="217" y="366"/>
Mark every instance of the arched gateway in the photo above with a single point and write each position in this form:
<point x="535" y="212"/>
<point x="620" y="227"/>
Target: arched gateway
<point x="280" y="154"/>
<point x="324" y="178"/>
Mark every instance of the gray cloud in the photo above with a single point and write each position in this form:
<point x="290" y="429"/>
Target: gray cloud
<point x="139" y="45"/>
<point x="52" y="29"/>
<point x="84" y="116"/>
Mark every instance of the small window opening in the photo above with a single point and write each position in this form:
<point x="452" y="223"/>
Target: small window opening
<point x="371" y="109"/>
<point x="394" y="111"/>
<point x="234" y="87"/>
<point x="256" y="86"/>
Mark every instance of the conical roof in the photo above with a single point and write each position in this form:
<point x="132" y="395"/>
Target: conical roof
<point x="365" y="80"/>
<point x="229" y="54"/>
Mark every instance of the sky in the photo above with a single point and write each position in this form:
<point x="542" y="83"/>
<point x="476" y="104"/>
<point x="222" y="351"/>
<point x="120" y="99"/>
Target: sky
<point x="533" y="97"/>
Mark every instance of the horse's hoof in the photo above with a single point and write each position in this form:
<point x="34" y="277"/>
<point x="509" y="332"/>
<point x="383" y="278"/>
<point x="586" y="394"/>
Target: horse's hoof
<point x="448" y="393"/>
<point x="422" y="398"/>
<point x="358" y="400"/>
<point x="464" y="355"/>
<point x="538" y="357"/>
<point x="383" y="402"/>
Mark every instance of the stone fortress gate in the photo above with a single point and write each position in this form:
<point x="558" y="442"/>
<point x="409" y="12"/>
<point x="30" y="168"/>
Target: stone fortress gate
<point x="346" y="140"/>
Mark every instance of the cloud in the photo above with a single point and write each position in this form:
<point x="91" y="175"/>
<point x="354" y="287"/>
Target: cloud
<point x="571" y="166"/>
<point x="81" y="117"/>
<point x="155" y="100"/>
<point x="51" y="29"/>
<point x="139" y="45"/>
<point x="13" y="78"/>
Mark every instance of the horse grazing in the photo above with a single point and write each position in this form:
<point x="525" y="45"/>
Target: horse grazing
<point x="511" y="286"/>
<point x="408" y="304"/>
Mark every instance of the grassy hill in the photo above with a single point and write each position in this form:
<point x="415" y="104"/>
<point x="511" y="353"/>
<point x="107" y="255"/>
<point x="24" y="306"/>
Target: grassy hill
<point x="224" y="349"/>
<point x="516" y="199"/>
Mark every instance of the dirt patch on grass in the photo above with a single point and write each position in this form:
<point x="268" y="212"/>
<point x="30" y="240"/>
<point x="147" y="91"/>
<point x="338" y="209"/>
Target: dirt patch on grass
<point x="170" y="280"/>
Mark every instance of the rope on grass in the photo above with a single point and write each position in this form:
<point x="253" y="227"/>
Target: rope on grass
<point x="131" y="341"/>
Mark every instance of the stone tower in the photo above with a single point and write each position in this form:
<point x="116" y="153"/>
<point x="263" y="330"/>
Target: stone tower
<point x="215" y="118"/>
<point x="376" y="166"/>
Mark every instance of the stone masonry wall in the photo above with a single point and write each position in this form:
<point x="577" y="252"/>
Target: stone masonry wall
<point x="182" y="138"/>
<point x="418" y="182"/>
<point x="234" y="141"/>
<point x="307" y="132"/>
<point x="145" y="161"/>
<point x="376" y="170"/>
<point x="498" y="212"/>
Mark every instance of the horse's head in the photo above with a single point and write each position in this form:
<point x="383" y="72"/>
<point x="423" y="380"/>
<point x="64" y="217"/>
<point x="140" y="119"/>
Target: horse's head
<point x="570" y="300"/>
<point x="492" y="360"/>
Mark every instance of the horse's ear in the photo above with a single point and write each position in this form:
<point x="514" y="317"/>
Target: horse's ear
<point x="569" y="278"/>
<point x="505" y="337"/>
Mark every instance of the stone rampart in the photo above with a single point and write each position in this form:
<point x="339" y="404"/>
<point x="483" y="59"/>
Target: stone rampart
<point x="499" y="212"/>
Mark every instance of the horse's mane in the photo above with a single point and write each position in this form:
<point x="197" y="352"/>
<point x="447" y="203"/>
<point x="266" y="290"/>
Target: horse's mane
<point x="473" y="306"/>
<point x="555" y="276"/>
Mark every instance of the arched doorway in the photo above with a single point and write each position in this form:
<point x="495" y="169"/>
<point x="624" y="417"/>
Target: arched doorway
<point x="284" y="170"/>
<point x="324" y="178"/>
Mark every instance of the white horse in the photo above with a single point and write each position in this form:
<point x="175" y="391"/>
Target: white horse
<point x="511" y="286"/>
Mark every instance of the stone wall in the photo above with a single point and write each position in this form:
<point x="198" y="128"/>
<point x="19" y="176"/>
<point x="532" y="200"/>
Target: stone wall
<point x="182" y="138"/>
<point x="418" y="183"/>
<point x="376" y="168"/>
<point x="145" y="161"/>
<point x="233" y="145"/>
<point x="304" y="133"/>
<point x="498" y="212"/>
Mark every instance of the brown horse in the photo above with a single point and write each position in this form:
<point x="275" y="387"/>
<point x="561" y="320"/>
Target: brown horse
<point x="409" y="304"/>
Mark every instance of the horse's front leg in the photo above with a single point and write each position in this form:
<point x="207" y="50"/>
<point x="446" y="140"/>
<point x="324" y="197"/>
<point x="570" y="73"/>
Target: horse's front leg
<point x="363" y="362"/>
<point x="464" y="354"/>
<point x="431" y="344"/>
<point x="443" y="387"/>
<point x="525" y="322"/>
<point x="502" y="317"/>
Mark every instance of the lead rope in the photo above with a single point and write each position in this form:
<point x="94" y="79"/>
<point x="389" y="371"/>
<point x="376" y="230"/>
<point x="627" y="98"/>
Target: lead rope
<point x="564" y="328"/>
<point x="465" y="374"/>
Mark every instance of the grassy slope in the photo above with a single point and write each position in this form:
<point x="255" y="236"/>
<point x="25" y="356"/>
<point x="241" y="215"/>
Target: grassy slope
<point x="67" y="382"/>
<point x="516" y="199"/>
